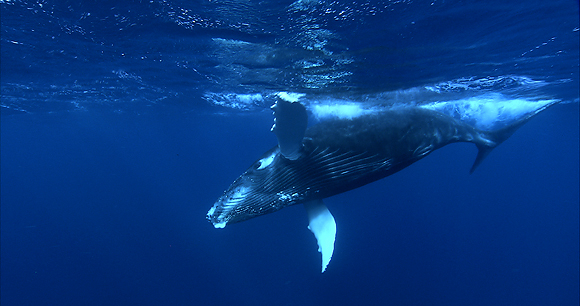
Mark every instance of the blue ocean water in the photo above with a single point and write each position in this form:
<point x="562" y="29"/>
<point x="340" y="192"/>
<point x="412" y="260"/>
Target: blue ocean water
<point x="123" y="122"/>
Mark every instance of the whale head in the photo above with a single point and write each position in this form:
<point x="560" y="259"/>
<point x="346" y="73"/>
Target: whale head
<point x="267" y="186"/>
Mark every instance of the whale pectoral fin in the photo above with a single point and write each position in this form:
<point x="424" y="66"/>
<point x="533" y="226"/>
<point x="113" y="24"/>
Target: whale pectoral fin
<point x="321" y="223"/>
<point x="290" y="124"/>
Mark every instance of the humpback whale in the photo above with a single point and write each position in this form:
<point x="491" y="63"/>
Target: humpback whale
<point x="337" y="155"/>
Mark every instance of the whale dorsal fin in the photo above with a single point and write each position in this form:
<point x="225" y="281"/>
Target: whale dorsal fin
<point x="322" y="224"/>
<point x="289" y="126"/>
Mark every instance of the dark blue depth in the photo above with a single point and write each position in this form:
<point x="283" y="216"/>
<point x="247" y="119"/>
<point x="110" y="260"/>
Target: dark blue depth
<point x="109" y="162"/>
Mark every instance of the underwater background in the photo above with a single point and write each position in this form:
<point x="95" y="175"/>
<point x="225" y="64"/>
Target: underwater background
<point x="122" y="122"/>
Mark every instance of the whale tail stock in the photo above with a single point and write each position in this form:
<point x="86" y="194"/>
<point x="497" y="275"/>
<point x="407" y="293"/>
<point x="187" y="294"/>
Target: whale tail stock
<point x="488" y="140"/>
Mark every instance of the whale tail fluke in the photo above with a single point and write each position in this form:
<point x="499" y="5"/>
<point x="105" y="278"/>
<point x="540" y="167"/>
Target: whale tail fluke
<point x="488" y="140"/>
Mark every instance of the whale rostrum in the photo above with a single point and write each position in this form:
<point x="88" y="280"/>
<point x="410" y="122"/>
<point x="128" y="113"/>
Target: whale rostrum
<point x="338" y="155"/>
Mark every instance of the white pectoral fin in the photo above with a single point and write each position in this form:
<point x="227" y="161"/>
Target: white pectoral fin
<point x="322" y="224"/>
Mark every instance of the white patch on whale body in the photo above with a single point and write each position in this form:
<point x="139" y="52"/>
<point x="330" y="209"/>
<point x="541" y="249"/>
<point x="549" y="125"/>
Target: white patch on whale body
<point x="489" y="111"/>
<point x="266" y="161"/>
<point x="340" y="110"/>
<point x="290" y="96"/>
<point x="286" y="196"/>
<point x="220" y="224"/>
